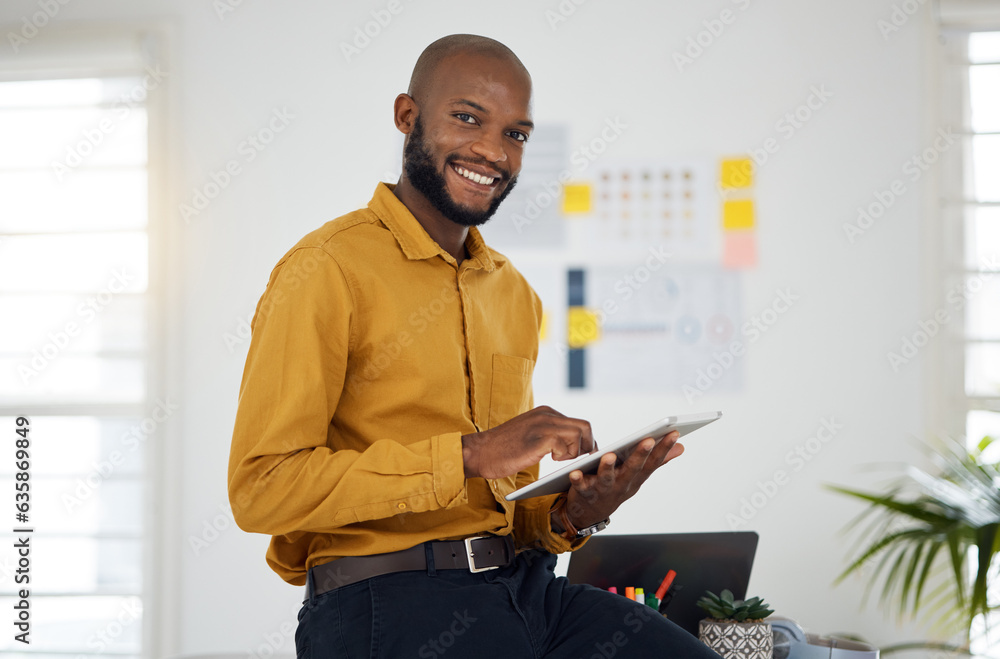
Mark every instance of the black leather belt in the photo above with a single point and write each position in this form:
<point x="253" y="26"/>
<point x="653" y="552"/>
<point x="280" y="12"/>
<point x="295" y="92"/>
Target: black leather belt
<point x="478" y="554"/>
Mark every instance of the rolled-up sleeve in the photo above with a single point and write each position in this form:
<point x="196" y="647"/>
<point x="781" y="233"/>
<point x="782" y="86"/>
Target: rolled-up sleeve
<point x="533" y="524"/>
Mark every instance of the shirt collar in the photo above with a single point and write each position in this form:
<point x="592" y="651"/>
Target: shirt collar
<point x="414" y="240"/>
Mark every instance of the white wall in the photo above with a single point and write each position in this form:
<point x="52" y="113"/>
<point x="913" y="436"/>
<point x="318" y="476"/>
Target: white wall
<point x="826" y="357"/>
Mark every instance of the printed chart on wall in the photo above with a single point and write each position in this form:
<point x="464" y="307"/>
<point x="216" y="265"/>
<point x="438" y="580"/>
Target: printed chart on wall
<point x="642" y="329"/>
<point x="635" y="204"/>
<point x="656" y="297"/>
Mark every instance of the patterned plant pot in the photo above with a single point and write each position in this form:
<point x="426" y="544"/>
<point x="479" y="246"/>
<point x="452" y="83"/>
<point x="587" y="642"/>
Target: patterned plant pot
<point x="737" y="640"/>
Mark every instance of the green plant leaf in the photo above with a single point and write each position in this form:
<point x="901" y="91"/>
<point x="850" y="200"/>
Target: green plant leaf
<point x="934" y="547"/>
<point x="889" y="584"/>
<point x="909" y="509"/>
<point x="903" y="530"/>
<point x="911" y="570"/>
<point x="986" y="542"/>
<point x="956" y="551"/>
<point x="713" y="609"/>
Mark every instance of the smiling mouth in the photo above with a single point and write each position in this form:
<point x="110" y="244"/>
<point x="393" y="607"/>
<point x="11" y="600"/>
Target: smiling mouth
<point x="474" y="177"/>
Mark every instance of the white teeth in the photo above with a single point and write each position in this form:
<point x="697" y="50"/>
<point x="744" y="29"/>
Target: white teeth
<point x="472" y="176"/>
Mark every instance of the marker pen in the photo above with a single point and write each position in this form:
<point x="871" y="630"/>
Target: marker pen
<point x="665" y="584"/>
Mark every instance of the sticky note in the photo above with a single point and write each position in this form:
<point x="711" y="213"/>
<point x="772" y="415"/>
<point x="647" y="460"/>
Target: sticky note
<point x="738" y="214"/>
<point x="736" y="173"/>
<point x="576" y="198"/>
<point x="739" y="249"/>
<point x="543" y="331"/>
<point x="584" y="327"/>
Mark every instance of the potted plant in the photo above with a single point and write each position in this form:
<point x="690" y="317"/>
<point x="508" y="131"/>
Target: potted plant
<point x="933" y="539"/>
<point x="736" y="628"/>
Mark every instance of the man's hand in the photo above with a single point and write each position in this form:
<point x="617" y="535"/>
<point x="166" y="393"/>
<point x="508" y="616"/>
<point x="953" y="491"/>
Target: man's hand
<point x="523" y="441"/>
<point x="592" y="498"/>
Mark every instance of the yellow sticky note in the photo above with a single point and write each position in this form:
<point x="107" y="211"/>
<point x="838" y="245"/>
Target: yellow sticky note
<point x="738" y="214"/>
<point x="736" y="173"/>
<point x="584" y="327"/>
<point x="576" y="198"/>
<point x="739" y="249"/>
<point x="543" y="331"/>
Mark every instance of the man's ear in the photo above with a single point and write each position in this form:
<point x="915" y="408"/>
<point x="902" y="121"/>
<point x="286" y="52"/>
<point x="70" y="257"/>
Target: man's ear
<point x="404" y="113"/>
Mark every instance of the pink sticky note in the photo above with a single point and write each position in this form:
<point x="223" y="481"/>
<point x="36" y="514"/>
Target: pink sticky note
<point x="739" y="249"/>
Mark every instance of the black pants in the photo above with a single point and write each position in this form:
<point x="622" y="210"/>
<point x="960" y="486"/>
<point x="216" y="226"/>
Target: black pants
<point x="522" y="610"/>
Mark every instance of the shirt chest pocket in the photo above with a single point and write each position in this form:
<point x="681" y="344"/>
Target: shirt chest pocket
<point x="510" y="392"/>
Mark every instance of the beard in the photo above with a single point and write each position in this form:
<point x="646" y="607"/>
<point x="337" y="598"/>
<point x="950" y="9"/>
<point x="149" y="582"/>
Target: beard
<point x="419" y="167"/>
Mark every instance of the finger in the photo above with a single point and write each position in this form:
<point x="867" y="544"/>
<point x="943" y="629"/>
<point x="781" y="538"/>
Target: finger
<point x="585" y="486"/>
<point x="675" y="451"/>
<point x="659" y="455"/>
<point x="572" y="438"/>
<point x="580" y="431"/>
<point x="587" y="443"/>
<point x="655" y="462"/>
<point x="580" y="482"/>
<point x="637" y="458"/>
<point x="545" y="410"/>
<point x="606" y="472"/>
<point x="565" y="448"/>
<point x="604" y="477"/>
<point x="663" y="448"/>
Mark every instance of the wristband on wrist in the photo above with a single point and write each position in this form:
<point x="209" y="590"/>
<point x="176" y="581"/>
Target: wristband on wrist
<point x="570" y="532"/>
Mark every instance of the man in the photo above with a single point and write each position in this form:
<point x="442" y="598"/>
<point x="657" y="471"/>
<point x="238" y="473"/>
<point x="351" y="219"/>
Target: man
<point x="385" y="411"/>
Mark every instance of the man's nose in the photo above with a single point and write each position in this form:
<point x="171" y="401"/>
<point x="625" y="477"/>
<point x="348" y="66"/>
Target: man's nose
<point x="490" y="147"/>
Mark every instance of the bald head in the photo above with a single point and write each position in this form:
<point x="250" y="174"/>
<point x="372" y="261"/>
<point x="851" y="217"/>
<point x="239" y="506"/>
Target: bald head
<point x="427" y="69"/>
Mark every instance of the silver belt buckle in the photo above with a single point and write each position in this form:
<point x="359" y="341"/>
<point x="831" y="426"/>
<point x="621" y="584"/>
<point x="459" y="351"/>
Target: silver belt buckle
<point x="472" y="554"/>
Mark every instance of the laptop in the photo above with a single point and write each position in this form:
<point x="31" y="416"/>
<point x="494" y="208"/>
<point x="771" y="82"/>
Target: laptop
<point x="702" y="561"/>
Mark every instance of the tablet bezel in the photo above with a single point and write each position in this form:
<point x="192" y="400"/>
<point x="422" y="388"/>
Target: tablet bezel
<point x="558" y="481"/>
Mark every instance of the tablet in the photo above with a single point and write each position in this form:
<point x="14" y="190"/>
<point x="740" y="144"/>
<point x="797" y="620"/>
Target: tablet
<point x="558" y="481"/>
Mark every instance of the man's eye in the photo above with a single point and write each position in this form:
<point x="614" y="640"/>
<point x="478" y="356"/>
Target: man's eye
<point x="467" y="118"/>
<point x="519" y="136"/>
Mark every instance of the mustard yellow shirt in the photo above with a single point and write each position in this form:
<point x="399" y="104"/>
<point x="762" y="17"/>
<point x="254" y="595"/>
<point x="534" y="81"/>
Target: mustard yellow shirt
<point x="372" y="353"/>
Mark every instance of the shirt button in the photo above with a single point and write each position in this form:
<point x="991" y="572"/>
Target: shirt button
<point x="401" y="506"/>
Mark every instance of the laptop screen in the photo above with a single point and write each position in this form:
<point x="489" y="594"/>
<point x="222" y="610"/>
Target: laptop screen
<point x="702" y="561"/>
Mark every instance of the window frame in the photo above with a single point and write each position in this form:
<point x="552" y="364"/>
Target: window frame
<point x="50" y="56"/>
<point x="953" y="205"/>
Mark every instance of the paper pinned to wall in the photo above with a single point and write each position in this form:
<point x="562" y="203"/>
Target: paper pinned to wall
<point x="738" y="214"/>
<point x="577" y="198"/>
<point x="659" y="330"/>
<point x="736" y="173"/>
<point x="671" y="204"/>
<point x="584" y="327"/>
<point x="739" y="249"/>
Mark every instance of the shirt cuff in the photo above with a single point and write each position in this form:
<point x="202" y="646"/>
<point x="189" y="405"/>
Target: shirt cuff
<point x="449" y="469"/>
<point x="554" y="542"/>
